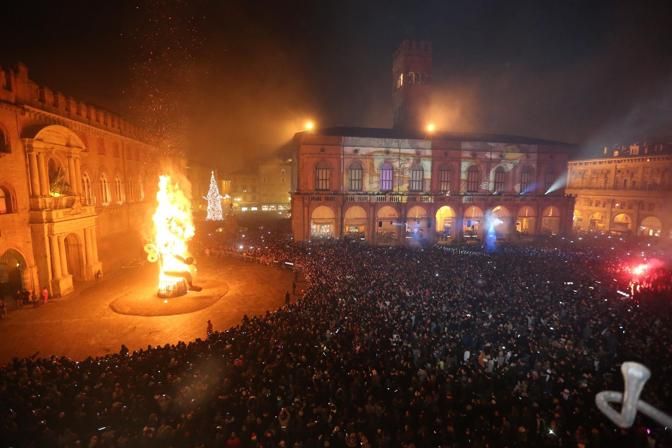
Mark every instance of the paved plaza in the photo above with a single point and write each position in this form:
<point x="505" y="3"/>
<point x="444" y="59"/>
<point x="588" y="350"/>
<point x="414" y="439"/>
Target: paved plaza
<point x="84" y="324"/>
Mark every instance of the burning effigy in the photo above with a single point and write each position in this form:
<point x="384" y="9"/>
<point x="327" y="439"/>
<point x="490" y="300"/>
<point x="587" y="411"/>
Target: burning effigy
<point x="173" y="228"/>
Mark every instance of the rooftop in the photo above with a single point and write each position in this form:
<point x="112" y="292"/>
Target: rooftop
<point x="346" y="131"/>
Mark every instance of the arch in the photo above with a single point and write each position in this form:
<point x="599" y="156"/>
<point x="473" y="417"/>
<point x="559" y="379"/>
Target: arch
<point x="527" y="218"/>
<point x="550" y="220"/>
<point x="445" y="221"/>
<point x="387" y="230"/>
<point x="650" y="226"/>
<point x="502" y="227"/>
<point x="386" y="177"/>
<point x="596" y="222"/>
<point x="527" y="183"/>
<point x="473" y="179"/>
<point x="472" y="223"/>
<point x="354" y="221"/>
<point x="323" y="222"/>
<point x="53" y="135"/>
<point x="87" y="190"/>
<point x="355" y="176"/>
<point x="622" y="223"/>
<point x="12" y="267"/>
<point x="498" y="179"/>
<point x="577" y="219"/>
<point x="7" y="200"/>
<point x="74" y="255"/>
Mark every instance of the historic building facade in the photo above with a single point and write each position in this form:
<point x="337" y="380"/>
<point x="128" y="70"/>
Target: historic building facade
<point x="391" y="188"/>
<point x="409" y="184"/>
<point x="627" y="191"/>
<point x="76" y="184"/>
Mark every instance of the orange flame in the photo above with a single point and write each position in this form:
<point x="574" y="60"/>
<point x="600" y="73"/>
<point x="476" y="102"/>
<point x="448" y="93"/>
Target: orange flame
<point x="173" y="228"/>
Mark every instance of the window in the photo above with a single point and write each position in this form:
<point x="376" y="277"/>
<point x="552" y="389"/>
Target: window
<point x="141" y="190"/>
<point x="386" y="177"/>
<point x="322" y="177"/>
<point x="356" y="176"/>
<point x="473" y="179"/>
<point x="499" y="180"/>
<point x="118" y="190"/>
<point x="88" y="198"/>
<point x="104" y="190"/>
<point x="526" y="182"/>
<point x="549" y="179"/>
<point x="101" y="147"/>
<point x="444" y="180"/>
<point x="5" y="201"/>
<point x="4" y="142"/>
<point x="416" y="182"/>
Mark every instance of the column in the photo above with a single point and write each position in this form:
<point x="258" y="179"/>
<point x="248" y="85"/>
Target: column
<point x="55" y="257"/>
<point x="64" y="258"/>
<point x="72" y="175"/>
<point x="34" y="174"/>
<point x="87" y="246"/>
<point x="78" y="176"/>
<point x="44" y="174"/>
<point x="94" y="246"/>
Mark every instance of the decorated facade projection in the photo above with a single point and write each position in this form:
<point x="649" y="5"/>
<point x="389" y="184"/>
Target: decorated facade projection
<point x="76" y="182"/>
<point x="627" y="191"/>
<point x="392" y="187"/>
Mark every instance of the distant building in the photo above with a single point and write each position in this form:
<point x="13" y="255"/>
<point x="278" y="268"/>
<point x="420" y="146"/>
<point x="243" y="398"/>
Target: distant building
<point x="627" y="191"/>
<point x="391" y="186"/>
<point x="76" y="186"/>
<point x="267" y="189"/>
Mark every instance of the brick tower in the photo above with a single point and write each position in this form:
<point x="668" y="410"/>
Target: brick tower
<point x="412" y="81"/>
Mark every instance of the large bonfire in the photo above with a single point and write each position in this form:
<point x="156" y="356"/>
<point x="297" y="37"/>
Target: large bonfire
<point x="173" y="228"/>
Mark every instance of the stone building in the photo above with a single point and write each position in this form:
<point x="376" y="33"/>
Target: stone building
<point x="265" y="189"/>
<point x="390" y="186"/>
<point x="626" y="191"/>
<point x="76" y="184"/>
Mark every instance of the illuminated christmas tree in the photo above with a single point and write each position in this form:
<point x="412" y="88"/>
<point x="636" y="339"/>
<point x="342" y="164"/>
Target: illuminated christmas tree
<point x="214" y="201"/>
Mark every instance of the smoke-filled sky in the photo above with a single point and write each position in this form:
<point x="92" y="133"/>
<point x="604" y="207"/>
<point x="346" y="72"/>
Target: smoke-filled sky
<point x="233" y="79"/>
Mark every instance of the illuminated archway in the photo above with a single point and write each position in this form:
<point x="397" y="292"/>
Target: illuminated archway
<point x="550" y="220"/>
<point x="577" y="219"/>
<point x="417" y="222"/>
<point x="322" y="222"/>
<point x="445" y="221"/>
<point x="502" y="224"/>
<point x="596" y="222"/>
<point x="387" y="229"/>
<point x="650" y="226"/>
<point x="354" y="221"/>
<point x="472" y="223"/>
<point x="622" y="223"/>
<point x="527" y="218"/>
<point x="12" y="267"/>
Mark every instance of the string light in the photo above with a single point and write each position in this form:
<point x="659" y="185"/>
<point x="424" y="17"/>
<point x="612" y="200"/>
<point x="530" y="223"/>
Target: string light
<point x="214" y="200"/>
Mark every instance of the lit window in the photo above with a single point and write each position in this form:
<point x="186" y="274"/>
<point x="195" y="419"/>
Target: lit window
<point x="118" y="190"/>
<point x="322" y="177"/>
<point x="386" y="176"/>
<point x="416" y="182"/>
<point x="473" y="179"/>
<point x="444" y="180"/>
<point x="356" y="176"/>
<point x="526" y="180"/>
<point x="104" y="190"/>
<point x="88" y="198"/>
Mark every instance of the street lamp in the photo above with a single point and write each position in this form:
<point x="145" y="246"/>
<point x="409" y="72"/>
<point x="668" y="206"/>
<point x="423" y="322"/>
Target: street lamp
<point x="309" y="125"/>
<point x="430" y="128"/>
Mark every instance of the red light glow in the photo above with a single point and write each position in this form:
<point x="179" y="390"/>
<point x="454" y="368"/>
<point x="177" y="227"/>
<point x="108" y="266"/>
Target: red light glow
<point x="640" y="269"/>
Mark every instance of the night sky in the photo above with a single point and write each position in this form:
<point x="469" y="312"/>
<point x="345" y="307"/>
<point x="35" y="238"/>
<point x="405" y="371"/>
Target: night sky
<point x="236" y="79"/>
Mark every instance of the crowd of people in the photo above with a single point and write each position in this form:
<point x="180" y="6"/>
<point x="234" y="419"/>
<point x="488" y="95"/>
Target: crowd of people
<point x="388" y="347"/>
